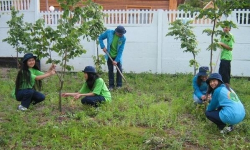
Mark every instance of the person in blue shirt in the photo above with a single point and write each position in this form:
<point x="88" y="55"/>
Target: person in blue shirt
<point x="115" y="46"/>
<point x="200" y="85"/>
<point x="225" y="107"/>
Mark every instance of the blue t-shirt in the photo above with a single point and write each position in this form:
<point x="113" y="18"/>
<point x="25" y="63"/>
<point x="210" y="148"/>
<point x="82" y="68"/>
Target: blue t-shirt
<point x="199" y="90"/>
<point x="232" y="110"/>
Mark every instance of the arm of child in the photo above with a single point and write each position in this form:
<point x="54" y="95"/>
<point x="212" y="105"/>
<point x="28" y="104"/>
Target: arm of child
<point x="47" y="74"/>
<point x="225" y="46"/>
<point x="85" y="94"/>
<point x="68" y="94"/>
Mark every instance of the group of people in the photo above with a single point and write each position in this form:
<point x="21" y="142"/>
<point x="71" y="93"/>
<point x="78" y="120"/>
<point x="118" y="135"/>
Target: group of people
<point x="94" y="90"/>
<point x="224" y="107"/>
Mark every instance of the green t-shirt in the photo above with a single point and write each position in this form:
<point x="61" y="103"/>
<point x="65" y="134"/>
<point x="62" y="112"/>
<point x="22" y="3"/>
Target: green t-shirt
<point x="100" y="89"/>
<point x="34" y="73"/>
<point x="228" y="40"/>
<point x="113" y="48"/>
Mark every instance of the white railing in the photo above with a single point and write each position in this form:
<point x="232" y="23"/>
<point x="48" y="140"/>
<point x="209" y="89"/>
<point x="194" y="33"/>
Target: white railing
<point x="129" y="16"/>
<point x="5" y="5"/>
<point x="145" y="17"/>
<point x="112" y="17"/>
<point x="173" y="15"/>
<point x="51" y="18"/>
<point x="242" y="16"/>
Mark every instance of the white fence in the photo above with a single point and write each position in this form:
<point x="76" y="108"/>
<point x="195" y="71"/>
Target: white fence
<point x="5" y="5"/>
<point x="147" y="49"/>
<point x="144" y="17"/>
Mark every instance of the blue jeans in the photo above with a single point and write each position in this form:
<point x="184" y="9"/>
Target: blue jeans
<point x="111" y="74"/>
<point x="93" y="100"/>
<point x="28" y="96"/>
<point x="197" y="100"/>
<point x="215" y="118"/>
<point x="225" y="70"/>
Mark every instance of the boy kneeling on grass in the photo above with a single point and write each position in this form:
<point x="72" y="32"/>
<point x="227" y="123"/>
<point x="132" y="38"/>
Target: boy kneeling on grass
<point x="94" y="89"/>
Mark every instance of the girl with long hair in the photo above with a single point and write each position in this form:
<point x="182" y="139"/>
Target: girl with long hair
<point x="94" y="90"/>
<point x="28" y="80"/>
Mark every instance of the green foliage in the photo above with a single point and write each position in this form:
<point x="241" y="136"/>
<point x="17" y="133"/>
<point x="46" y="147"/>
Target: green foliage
<point x="17" y="29"/>
<point x="183" y="31"/>
<point x="41" y="39"/>
<point x="99" y="61"/>
<point x="95" y="28"/>
<point x="151" y="116"/>
<point x="220" y="8"/>
<point x="17" y="33"/>
<point x="95" y="25"/>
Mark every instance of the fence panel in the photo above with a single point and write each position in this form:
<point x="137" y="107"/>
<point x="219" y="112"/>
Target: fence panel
<point x="51" y="18"/>
<point x="145" y="17"/>
<point x="173" y="15"/>
<point x="242" y="16"/>
<point x="5" y="5"/>
<point x="128" y="16"/>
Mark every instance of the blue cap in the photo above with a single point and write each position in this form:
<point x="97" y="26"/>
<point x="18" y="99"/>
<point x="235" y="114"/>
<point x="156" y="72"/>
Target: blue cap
<point x="89" y="69"/>
<point x="120" y="30"/>
<point x="214" y="76"/>
<point x="203" y="71"/>
<point x="28" y="56"/>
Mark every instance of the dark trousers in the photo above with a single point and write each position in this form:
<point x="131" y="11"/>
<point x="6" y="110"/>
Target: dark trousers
<point x="111" y="74"/>
<point x="28" y="96"/>
<point x="93" y="100"/>
<point x="225" y="70"/>
<point x="215" y="118"/>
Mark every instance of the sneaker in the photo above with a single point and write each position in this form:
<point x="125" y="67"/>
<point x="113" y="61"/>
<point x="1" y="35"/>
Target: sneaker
<point x="119" y="87"/>
<point x="111" y="89"/>
<point x="20" y="107"/>
<point x="226" y="130"/>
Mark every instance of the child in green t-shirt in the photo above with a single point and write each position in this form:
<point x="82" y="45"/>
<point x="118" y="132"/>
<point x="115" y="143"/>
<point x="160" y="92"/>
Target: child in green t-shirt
<point x="28" y="76"/>
<point x="227" y="41"/>
<point x="94" y="89"/>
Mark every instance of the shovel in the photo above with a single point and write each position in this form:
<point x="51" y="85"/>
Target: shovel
<point x="116" y="67"/>
<point x="128" y="89"/>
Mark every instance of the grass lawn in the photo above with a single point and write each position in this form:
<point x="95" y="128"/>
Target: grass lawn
<point x="158" y="113"/>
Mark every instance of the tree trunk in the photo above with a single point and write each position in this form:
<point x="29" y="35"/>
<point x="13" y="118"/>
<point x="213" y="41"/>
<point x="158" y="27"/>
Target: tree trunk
<point x="98" y="61"/>
<point x="17" y="63"/>
<point x="60" y="96"/>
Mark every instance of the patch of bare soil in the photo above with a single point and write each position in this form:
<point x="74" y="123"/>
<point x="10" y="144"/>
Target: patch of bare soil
<point x="4" y="72"/>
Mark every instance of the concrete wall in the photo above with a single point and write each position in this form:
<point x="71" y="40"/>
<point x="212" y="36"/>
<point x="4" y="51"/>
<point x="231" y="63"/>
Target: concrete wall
<point x="148" y="49"/>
